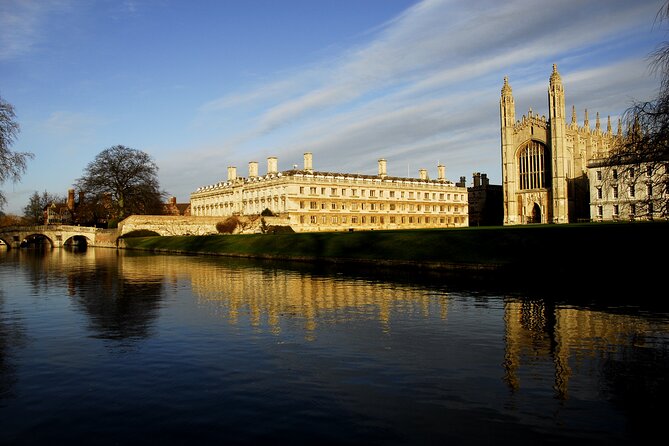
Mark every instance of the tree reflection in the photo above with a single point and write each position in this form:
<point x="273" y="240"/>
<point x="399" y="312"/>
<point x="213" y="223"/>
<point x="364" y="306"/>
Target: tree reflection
<point x="11" y="337"/>
<point x="119" y="308"/>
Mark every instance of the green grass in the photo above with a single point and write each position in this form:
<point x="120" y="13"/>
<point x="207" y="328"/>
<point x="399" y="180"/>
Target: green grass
<point x="565" y="248"/>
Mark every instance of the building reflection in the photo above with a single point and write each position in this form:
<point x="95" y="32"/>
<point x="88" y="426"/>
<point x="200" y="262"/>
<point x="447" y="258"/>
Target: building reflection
<point x="545" y="344"/>
<point x="567" y="339"/>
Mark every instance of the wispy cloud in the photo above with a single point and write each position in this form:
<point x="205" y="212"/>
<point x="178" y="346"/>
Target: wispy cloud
<point x="436" y="45"/>
<point x="22" y="22"/>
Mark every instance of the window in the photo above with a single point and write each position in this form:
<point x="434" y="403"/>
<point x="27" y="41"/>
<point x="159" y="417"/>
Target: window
<point x="313" y="219"/>
<point x="372" y="193"/>
<point x="392" y="206"/>
<point x="632" y="209"/>
<point x="632" y="191"/>
<point x="323" y="206"/>
<point x="301" y="189"/>
<point x="616" y="210"/>
<point x="313" y="205"/>
<point x="599" y="175"/>
<point x="649" y="189"/>
<point x="531" y="166"/>
<point x="392" y="219"/>
<point x="600" y="211"/>
<point x="392" y="194"/>
<point x="312" y="190"/>
<point x="335" y="220"/>
<point x="631" y="172"/>
<point x="599" y="192"/>
<point x="322" y="191"/>
<point x="333" y="206"/>
<point x="615" y="174"/>
<point x="324" y="219"/>
<point x="615" y="192"/>
<point x="333" y="191"/>
<point x="354" y="219"/>
<point x="301" y="204"/>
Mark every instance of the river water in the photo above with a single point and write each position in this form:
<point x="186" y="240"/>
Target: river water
<point x="115" y="347"/>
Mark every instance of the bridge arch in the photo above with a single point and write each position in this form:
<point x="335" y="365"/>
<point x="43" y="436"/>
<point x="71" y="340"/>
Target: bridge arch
<point x="37" y="240"/>
<point x="79" y="241"/>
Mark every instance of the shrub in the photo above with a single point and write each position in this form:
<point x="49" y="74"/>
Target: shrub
<point x="228" y="225"/>
<point x="267" y="213"/>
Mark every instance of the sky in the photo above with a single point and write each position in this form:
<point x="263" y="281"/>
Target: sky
<point x="201" y="85"/>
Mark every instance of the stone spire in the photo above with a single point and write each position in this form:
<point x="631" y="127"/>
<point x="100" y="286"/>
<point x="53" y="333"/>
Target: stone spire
<point x="573" y="115"/>
<point x="608" y="125"/>
<point x="586" y="121"/>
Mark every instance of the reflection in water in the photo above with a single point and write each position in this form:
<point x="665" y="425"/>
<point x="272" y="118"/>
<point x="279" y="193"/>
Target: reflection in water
<point x="413" y="357"/>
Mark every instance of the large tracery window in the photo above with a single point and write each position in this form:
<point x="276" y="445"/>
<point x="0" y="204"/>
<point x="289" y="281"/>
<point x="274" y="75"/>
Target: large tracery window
<point x="532" y="166"/>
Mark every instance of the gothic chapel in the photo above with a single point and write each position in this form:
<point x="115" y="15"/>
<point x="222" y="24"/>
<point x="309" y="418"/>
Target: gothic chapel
<point x="544" y="161"/>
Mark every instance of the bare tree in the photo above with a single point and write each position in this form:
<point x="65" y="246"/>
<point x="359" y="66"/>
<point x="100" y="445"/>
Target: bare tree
<point x="122" y="181"/>
<point x="12" y="164"/>
<point x="639" y="163"/>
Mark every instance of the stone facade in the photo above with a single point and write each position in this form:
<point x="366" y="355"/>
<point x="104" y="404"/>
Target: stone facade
<point x="323" y="201"/>
<point x="545" y="160"/>
<point x="486" y="206"/>
<point x="627" y="191"/>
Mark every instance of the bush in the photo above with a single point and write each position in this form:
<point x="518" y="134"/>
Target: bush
<point x="267" y="213"/>
<point x="228" y="225"/>
<point x="279" y="230"/>
<point x="141" y="233"/>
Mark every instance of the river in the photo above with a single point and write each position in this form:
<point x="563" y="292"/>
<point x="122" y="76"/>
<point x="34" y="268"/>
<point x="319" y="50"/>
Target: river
<point x="118" y="347"/>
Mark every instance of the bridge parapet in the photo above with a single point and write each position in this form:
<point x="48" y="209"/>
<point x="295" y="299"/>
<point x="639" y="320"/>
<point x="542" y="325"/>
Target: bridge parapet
<point x="58" y="235"/>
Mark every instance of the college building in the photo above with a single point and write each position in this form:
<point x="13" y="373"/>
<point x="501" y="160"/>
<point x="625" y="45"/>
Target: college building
<point x="545" y="161"/>
<point x="311" y="200"/>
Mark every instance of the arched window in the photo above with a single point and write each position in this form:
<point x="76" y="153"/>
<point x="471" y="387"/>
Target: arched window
<point x="532" y="166"/>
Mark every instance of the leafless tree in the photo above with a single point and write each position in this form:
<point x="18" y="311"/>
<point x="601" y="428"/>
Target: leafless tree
<point x="639" y="163"/>
<point x="123" y="181"/>
<point x="12" y="164"/>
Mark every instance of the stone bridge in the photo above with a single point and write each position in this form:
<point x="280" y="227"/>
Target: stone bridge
<point x="58" y="236"/>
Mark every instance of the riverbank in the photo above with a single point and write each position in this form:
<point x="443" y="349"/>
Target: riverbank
<point x="575" y="250"/>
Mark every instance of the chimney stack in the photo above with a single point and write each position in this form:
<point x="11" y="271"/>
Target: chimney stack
<point x="272" y="165"/>
<point x="423" y="174"/>
<point x="70" y="199"/>
<point x="253" y="169"/>
<point x="477" y="179"/>
<point x="232" y="173"/>
<point x="382" y="168"/>
<point x="441" y="169"/>
<point x="308" y="162"/>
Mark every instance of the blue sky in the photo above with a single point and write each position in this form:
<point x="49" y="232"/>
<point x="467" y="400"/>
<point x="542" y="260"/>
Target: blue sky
<point x="202" y="85"/>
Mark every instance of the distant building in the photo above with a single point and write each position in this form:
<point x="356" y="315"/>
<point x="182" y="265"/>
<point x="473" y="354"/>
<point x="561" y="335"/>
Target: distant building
<point x="62" y="213"/>
<point x="545" y="162"/>
<point x="627" y="191"/>
<point x="486" y="202"/>
<point x="325" y="201"/>
<point x="174" y="208"/>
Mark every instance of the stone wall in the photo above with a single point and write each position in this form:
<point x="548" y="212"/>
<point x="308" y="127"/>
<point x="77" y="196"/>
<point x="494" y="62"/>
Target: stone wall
<point x="167" y="225"/>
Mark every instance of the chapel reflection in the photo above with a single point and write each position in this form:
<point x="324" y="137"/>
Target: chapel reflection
<point x="539" y="334"/>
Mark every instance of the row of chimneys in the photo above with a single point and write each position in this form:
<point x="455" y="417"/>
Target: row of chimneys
<point x="272" y="168"/>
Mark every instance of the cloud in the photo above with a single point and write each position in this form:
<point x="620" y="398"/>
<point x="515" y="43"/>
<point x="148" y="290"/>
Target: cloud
<point x="22" y="23"/>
